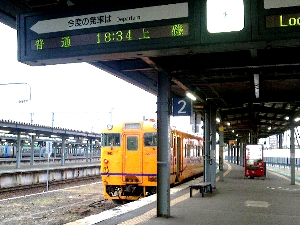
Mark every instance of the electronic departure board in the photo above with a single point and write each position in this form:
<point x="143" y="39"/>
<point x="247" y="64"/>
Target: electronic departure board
<point x="283" y="20"/>
<point x="278" y="19"/>
<point x="106" y="37"/>
<point x="89" y="35"/>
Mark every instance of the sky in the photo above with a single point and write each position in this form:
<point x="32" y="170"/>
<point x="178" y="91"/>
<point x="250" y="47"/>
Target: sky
<point x="74" y="96"/>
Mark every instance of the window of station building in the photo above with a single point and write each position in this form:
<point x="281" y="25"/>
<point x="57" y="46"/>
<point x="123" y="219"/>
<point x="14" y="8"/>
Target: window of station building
<point x="132" y="143"/>
<point x="111" y="139"/>
<point x="150" y="139"/>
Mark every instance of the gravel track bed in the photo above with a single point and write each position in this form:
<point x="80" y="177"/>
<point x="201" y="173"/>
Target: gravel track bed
<point x="68" y="202"/>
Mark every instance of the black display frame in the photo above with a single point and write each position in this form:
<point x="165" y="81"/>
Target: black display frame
<point x="88" y="53"/>
<point x="260" y="30"/>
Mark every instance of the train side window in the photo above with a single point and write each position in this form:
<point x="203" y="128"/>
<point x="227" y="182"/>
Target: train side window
<point x="109" y="139"/>
<point x="150" y="139"/>
<point x="188" y="151"/>
<point x="132" y="143"/>
<point x="198" y="150"/>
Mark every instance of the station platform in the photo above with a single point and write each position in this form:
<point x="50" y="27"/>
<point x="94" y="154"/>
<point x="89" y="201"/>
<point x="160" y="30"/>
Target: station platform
<point x="10" y="176"/>
<point x="4" y="169"/>
<point x="236" y="200"/>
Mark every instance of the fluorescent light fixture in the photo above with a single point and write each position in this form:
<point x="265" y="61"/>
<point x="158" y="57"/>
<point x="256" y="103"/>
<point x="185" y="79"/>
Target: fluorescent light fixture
<point x="297" y="119"/>
<point x="256" y="85"/>
<point x="191" y="96"/>
<point x="32" y="134"/>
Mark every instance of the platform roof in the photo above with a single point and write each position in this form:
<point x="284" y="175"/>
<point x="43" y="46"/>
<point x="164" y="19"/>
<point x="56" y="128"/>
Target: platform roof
<point x="254" y="83"/>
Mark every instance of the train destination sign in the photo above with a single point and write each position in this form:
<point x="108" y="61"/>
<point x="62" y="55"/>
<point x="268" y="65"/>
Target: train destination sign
<point x="50" y="38"/>
<point x="278" y="20"/>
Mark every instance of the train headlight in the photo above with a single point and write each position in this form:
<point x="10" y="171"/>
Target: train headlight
<point x="109" y="126"/>
<point x="105" y="161"/>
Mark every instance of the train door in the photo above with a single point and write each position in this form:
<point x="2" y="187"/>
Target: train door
<point x="178" y="158"/>
<point x="132" y="158"/>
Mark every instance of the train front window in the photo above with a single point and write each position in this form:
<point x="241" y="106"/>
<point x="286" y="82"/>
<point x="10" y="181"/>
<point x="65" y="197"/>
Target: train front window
<point x="111" y="139"/>
<point x="132" y="143"/>
<point x="150" y="139"/>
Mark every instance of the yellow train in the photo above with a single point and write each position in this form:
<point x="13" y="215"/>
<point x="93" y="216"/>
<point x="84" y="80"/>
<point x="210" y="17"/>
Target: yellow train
<point x="129" y="159"/>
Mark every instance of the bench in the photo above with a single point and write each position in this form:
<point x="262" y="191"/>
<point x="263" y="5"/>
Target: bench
<point x="202" y="186"/>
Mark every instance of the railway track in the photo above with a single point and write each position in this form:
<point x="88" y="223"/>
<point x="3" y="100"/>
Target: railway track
<point x="52" y="185"/>
<point x="68" y="202"/>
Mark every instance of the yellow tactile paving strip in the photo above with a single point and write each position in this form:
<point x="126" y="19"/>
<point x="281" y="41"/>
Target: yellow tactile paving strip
<point x="148" y="215"/>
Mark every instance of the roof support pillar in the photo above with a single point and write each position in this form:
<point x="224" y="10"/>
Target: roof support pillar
<point x="91" y="150"/>
<point x="242" y="153"/>
<point x="213" y="114"/>
<point x="18" y="153"/>
<point x="280" y="140"/>
<point x="221" y="150"/>
<point x="238" y="151"/>
<point x="229" y="159"/>
<point x="292" y="154"/>
<point x="207" y="177"/>
<point x="32" y="150"/>
<point x="63" y="150"/>
<point x="163" y="148"/>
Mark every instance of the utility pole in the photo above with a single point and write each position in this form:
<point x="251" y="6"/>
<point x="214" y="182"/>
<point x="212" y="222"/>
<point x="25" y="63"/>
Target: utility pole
<point x="52" y="119"/>
<point x="31" y="118"/>
<point x="111" y="111"/>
